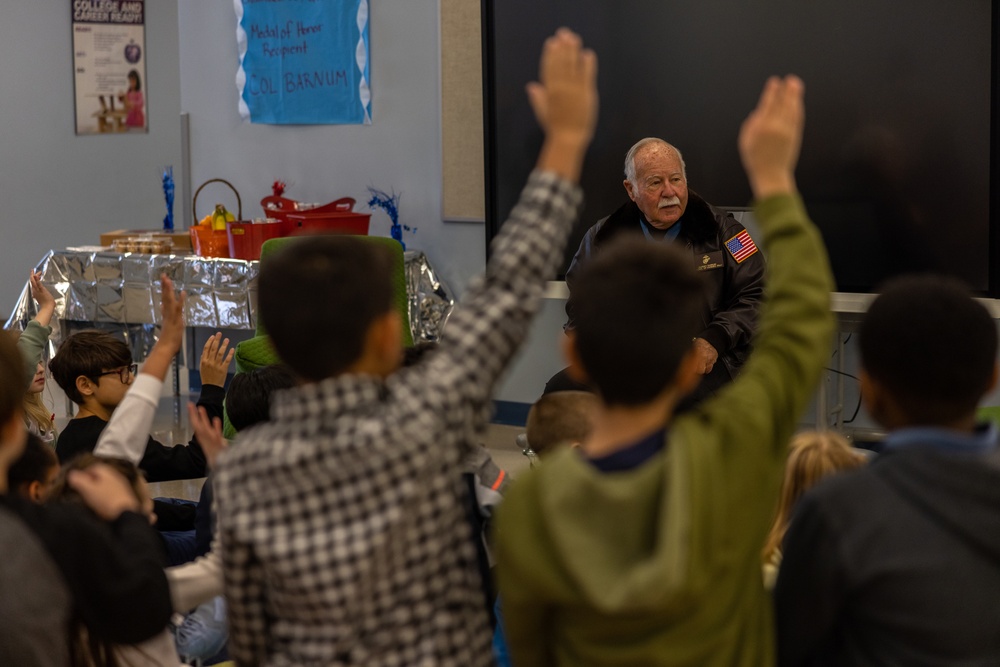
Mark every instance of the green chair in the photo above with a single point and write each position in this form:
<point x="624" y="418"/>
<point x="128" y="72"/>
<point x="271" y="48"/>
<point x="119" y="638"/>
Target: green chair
<point x="990" y="413"/>
<point x="258" y="352"/>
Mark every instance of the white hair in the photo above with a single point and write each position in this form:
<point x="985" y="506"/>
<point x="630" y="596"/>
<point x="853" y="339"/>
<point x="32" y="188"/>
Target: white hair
<point x="630" y="158"/>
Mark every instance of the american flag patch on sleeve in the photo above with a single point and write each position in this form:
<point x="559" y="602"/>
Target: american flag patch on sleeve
<point x="741" y="246"/>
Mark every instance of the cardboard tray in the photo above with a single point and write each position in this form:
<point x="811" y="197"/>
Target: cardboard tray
<point x="181" y="240"/>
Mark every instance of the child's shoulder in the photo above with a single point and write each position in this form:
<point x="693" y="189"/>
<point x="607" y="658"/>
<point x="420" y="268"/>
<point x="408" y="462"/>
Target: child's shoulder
<point x="78" y="436"/>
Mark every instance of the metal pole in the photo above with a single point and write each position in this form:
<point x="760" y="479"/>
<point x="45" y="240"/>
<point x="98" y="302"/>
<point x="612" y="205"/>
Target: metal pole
<point x="186" y="170"/>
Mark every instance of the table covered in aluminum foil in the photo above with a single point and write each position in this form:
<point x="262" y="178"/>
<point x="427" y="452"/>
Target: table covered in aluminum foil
<point x="121" y="292"/>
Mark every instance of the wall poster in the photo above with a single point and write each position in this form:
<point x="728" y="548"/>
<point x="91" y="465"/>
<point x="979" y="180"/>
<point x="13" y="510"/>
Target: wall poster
<point x="303" y="62"/>
<point x="109" y="65"/>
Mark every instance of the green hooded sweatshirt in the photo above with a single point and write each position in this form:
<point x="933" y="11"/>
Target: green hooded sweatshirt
<point x="661" y="565"/>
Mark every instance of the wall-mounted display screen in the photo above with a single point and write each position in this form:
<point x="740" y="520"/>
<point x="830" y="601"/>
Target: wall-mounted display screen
<point x="897" y="158"/>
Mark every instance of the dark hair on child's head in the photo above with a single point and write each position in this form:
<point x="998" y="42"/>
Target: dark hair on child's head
<point x="560" y="417"/>
<point x="134" y="74"/>
<point x="318" y="297"/>
<point x="418" y="352"/>
<point x="34" y="465"/>
<point x="248" y="399"/>
<point x="637" y="308"/>
<point x="13" y="382"/>
<point x="88" y="353"/>
<point x="62" y="491"/>
<point x="930" y="345"/>
<point x="87" y="648"/>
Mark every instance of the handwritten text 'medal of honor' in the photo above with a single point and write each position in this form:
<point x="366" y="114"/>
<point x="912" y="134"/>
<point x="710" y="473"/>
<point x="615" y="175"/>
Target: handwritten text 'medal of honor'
<point x="274" y="43"/>
<point x="291" y="30"/>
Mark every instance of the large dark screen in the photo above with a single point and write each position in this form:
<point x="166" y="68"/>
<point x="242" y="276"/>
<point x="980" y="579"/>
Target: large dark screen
<point x="896" y="158"/>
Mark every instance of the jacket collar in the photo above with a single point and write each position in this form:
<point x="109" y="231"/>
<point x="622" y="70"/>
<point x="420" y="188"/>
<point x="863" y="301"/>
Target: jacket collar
<point x="698" y="224"/>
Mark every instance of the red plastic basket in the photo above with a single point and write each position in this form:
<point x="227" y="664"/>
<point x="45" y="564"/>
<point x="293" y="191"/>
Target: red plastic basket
<point x="337" y="217"/>
<point x="278" y="207"/>
<point x="246" y="237"/>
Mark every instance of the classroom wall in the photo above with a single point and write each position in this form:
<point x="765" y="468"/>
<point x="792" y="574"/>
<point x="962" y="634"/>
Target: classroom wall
<point x="59" y="189"/>
<point x="400" y="151"/>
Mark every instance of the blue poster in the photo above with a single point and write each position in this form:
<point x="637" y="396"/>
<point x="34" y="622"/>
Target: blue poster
<point x="303" y="62"/>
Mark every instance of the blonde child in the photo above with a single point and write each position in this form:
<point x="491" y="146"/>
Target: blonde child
<point x="812" y="456"/>
<point x="37" y="416"/>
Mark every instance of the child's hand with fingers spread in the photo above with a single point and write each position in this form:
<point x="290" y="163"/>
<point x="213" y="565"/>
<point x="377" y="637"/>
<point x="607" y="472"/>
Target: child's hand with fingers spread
<point x="208" y="432"/>
<point x="215" y="360"/>
<point x="46" y="302"/>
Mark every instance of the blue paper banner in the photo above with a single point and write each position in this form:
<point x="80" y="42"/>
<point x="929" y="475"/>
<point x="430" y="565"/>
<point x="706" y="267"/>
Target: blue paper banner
<point x="303" y="62"/>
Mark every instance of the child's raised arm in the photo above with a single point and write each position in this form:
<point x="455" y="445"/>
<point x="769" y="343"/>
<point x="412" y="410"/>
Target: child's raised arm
<point x="36" y="334"/>
<point x="208" y="432"/>
<point x="161" y="357"/>
<point x="127" y="432"/>
<point x="46" y="302"/>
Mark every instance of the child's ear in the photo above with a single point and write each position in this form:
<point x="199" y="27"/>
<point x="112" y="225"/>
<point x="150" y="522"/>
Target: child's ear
<point x="877" y="401"/>
<point x="575" y="368"/>
<point x="387" y="333"/>
<point x="35" y="491"/>
<point x="85" y="385"/>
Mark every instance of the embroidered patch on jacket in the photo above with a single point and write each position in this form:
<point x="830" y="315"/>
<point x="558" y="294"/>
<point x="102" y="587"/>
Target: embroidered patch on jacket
<point x="741" y="246"/>
<point x="708" y="260"/>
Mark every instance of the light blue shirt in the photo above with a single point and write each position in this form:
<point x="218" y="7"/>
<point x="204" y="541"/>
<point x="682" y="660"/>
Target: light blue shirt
<point x="982" y="440"/>
<point x="668" y="235"/>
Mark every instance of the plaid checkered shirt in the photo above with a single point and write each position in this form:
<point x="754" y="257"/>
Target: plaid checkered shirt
<point x="342" y="522"/>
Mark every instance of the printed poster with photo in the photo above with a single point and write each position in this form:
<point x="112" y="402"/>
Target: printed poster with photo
<point x="109" y="65"/>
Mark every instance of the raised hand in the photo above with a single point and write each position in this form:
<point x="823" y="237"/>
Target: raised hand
<point x="209" y="433"/>
<point x="565" y="102"/>
<point x="771" y="136"/>
<point x="214" y="364"/>
<point x="46" y="302"/>
<point x="172" y="316"/>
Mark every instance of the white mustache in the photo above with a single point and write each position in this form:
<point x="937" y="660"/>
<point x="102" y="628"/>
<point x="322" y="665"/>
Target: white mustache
<point x="673" y="201"/>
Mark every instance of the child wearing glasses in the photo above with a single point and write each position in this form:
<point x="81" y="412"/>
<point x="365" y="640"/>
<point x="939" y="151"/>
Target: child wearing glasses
<point x="95" y="369"/>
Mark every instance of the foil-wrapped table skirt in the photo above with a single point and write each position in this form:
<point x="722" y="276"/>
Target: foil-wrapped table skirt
<point x="121" y="292"/>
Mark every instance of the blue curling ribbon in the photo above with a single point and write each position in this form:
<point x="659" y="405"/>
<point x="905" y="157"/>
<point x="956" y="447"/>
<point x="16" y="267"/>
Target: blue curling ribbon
<point x="390" y="204"/>
<point x="168" y="195"/>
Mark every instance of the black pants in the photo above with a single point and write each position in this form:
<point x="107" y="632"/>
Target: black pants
<point x="710" y="384"/>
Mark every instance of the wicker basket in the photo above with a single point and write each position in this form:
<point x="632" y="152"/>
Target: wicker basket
<point x="206" y="241"/>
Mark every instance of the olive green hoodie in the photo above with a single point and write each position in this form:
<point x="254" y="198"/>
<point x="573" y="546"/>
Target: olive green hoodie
<point x="660" y="565"/>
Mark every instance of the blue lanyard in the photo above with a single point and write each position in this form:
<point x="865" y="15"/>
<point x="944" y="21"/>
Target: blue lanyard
<point x="668" y="235"/>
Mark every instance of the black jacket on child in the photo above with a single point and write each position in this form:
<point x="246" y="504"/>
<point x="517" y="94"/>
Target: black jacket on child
<point x="160" y="462"/>
<point x="109" y="575"/>
<point x="895" y="564"/>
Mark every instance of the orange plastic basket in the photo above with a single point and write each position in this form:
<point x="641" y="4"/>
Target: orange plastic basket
<point x="209" y="242"/>
<point x="204" y="240"/>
